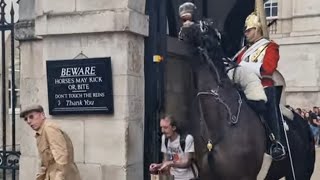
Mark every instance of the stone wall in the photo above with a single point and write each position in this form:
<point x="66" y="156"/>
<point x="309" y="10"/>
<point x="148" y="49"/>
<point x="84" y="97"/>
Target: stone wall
<point x="299" y="40"/>
<point x="106" y="146"/>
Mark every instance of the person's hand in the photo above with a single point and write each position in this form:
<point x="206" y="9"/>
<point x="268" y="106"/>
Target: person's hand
<point x="165" y="165"/>
<point x="154" y="167"/>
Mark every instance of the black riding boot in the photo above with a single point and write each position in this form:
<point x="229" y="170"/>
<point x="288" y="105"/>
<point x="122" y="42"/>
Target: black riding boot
<point x="273" y="118"/>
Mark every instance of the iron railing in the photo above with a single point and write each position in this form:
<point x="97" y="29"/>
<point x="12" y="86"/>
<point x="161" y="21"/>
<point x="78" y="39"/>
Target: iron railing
<point x="272" y="25"/>
<point x="9" y="155"/>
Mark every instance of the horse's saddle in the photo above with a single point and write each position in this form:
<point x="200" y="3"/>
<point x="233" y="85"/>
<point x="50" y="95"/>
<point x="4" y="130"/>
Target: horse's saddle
<point x="286" y="112"/>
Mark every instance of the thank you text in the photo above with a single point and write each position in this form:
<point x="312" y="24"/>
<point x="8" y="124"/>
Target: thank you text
<point x="80" y="86"/>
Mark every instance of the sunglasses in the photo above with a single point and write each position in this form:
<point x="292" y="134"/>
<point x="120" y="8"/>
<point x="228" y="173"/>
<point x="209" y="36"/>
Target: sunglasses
<point x="31" y="116"/>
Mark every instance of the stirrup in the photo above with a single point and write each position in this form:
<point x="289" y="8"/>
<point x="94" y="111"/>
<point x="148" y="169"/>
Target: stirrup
<point x="279" y="146"/>
<point x="272" y="138"/>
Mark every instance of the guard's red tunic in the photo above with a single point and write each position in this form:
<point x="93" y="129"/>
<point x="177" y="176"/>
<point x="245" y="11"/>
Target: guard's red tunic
<point x="269" y="62"/>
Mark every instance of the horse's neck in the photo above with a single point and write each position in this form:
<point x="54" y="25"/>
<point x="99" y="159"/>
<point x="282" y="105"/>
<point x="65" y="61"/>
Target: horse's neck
<point x="212" y="110"/>
<point x="207" y="79"/>
<point x="208" y="105"/>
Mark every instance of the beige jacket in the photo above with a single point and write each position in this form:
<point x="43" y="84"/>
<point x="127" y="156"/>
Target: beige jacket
<point x="56" y="154"/>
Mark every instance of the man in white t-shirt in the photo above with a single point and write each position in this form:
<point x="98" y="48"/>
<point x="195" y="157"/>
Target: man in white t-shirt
<point x="177" y="159"/>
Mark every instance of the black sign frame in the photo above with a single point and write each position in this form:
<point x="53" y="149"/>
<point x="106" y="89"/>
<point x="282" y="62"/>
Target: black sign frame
<point x="80" y="86"/>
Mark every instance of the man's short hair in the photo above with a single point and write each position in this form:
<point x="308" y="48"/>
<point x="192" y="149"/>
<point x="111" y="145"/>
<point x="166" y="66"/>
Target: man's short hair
<point x="173" y="121"/>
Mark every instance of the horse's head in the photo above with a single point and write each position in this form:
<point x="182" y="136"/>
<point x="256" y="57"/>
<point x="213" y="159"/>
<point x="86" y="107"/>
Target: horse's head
<point x="205" y="41"/>
<point x="203" y="35"/>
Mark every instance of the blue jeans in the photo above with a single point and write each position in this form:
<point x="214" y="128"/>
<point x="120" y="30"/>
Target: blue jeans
<point x="315" y="131"/>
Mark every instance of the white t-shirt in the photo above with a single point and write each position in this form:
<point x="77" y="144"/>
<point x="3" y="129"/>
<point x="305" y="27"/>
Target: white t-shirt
<point x="174" y="151"/>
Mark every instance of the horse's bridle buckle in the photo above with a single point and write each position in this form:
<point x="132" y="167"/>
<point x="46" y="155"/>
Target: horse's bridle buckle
<point x="214" y="93"/>
<point x="209" y="145"/>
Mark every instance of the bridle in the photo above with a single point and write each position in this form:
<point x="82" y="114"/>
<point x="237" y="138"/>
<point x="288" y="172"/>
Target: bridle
<point x="215" y="93"/>
<point x="233" y="119"/>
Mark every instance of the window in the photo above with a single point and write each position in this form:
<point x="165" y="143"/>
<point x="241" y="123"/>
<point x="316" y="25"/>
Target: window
<point x="16" y="90"/>
<point x="271" y="8"/>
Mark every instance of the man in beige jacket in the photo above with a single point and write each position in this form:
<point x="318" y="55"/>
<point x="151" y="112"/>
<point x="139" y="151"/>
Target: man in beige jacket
<point x="54" y="146"/>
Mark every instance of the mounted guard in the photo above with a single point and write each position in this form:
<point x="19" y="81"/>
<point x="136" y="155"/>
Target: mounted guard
<point x="257" y="62"/>
<point x="222" y="121"/>
<point x="261" y="56"/>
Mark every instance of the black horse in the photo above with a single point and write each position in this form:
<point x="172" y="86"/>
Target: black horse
<point x="302" y="152"/>
<point x="234" y="130"/>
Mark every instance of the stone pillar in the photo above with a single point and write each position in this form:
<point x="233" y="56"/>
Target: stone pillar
<point x="106" y="146"/>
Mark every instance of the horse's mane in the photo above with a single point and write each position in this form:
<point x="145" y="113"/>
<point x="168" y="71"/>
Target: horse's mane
<point x="207" y="40"/>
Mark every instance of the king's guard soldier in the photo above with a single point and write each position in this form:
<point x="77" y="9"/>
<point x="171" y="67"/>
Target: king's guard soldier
<point x="261" y="56"/>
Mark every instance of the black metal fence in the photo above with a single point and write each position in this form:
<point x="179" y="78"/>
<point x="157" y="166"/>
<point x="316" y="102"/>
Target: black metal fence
<point x="9" y="154"/>
<point x="272" y="26"/>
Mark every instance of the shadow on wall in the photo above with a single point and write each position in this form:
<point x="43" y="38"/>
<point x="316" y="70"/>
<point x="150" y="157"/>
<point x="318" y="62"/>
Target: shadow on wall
<point x="179" y="89"/>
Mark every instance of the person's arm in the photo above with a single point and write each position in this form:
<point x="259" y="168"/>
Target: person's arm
<point x="186" y="161"/>
<point x="269" y="64"/>
<point x="156" y="166"/>
<point x="58" y="146"/>
<point x="41" y="175"/>
<point x="316" y="121"/>
<point x="271" y="59"/>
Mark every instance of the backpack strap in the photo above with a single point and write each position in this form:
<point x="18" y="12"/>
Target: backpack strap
<point x="195" y="170"/>
<point x="166" y="140"/>
<point x="182" y="142"/>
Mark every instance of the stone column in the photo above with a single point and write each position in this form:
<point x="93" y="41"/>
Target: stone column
<point x="106" y="146"/>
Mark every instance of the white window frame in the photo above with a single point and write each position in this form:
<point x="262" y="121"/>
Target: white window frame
<point x="270" y="3"/>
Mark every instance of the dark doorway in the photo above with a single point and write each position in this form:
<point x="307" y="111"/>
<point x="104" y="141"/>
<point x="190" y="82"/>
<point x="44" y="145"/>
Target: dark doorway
<point x="229" y="17"/>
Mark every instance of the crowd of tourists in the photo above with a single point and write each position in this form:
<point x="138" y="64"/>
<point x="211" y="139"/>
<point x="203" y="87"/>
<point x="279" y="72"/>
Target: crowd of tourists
<point x="313" y="118"/>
